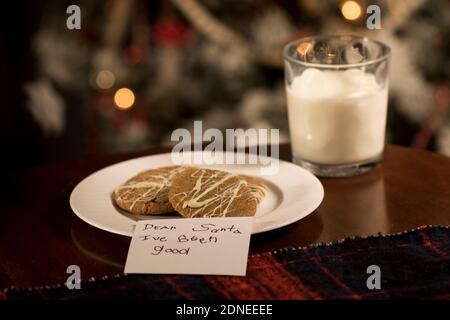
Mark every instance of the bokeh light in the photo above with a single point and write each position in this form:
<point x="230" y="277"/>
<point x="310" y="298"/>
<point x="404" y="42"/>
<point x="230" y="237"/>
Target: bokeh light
<point x="303" y="48"/>
<point x="105" y="79"/>
<point x="124" y="98"/>
<point x="351" y="10"/>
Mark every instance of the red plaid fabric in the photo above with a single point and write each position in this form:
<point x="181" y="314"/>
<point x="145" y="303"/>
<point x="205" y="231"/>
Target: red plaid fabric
<point x="414" y="264"/>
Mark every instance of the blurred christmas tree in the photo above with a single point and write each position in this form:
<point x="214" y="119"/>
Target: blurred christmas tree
<point x="220" y="61"/>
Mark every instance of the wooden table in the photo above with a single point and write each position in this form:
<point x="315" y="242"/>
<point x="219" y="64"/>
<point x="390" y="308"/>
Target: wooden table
<point x="40" y="236"/>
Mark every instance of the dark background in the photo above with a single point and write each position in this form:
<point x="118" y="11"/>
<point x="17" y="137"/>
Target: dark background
<point x="180" y="72"/>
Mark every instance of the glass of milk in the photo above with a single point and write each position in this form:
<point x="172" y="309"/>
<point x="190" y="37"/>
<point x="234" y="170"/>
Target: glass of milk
<point x="337" y="90"/>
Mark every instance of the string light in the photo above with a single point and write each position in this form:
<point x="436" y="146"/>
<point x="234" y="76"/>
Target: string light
<point x="124" y="98"/>
<point x="303" y="48"/>
<point x="351" y="10"/>
<point x="105" y="79"/>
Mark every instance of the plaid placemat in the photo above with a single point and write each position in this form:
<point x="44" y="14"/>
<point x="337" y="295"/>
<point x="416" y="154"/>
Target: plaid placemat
<point x="412" y="264"/>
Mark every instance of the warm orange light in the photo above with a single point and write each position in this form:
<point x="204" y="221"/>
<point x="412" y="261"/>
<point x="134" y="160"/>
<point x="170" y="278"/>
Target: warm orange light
<point x="124" y="98"/>
<point x="303" y="48"/>
<point x="351" y="10"/>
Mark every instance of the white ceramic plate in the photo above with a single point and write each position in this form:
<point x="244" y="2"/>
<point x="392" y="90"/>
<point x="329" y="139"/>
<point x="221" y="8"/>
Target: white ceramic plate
<point x="293" y="193"/>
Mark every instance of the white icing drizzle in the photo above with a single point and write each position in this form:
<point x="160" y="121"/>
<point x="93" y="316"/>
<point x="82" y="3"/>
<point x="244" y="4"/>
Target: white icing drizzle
<point x="158" y="187"/>
<point x="194" y="202"/>
<point x="258" y="191"/>
<point x="207" y="203"/>
<point x="218" y="203"/>
<point x="141" y="184"/>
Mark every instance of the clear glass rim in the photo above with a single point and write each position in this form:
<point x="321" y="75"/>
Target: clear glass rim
<point x="286" y="56"/>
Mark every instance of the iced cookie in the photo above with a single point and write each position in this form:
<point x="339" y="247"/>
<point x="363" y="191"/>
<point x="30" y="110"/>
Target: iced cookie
<point x="147" y="192"/>
<point x="197" y="192"/>
<point x="257" y="186"/>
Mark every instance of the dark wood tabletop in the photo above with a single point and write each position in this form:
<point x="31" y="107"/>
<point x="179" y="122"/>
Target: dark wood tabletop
<point x="40" y="236"/>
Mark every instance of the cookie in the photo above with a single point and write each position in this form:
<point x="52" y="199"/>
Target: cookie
<point x="257" y="186"/>
<point x="197" y="192"/>
<point x="147" y="192"/>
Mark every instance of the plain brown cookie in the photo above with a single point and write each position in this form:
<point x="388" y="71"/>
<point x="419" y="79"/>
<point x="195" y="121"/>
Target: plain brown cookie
<point x="147" y="192"/>
<point x="197" y="192"/>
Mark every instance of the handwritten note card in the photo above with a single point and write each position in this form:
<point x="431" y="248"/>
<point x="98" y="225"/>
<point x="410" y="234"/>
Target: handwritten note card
<point x="190" y="246"/>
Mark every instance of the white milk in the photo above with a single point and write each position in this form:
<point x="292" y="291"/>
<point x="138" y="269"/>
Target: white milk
<point x="336" y="117"/>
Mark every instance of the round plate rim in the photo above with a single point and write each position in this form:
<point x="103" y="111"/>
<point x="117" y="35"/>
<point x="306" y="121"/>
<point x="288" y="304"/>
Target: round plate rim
<point x="256" y="229"/>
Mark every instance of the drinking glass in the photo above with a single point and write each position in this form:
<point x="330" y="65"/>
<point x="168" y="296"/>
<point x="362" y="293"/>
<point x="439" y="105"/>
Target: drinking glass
<point x="337" y="93"/>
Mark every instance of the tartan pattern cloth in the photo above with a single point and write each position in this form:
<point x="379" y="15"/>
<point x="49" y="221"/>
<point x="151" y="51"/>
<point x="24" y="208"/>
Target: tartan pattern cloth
<point x="414" y="264"/>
